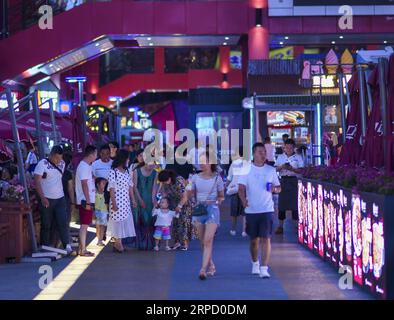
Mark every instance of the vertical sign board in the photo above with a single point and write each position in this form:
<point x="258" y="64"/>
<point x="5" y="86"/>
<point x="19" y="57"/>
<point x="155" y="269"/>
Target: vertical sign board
<point x="349" y="229"/>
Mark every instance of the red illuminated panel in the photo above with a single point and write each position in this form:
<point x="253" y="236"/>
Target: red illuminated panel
<point x="309" y="217"/>
<point x="357" y="239"/>
<point x="321" y="220"/>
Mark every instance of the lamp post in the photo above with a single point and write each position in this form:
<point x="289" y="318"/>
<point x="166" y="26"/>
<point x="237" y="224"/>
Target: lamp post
<point x="118" y="100"/>
<point x="81" y="81"/>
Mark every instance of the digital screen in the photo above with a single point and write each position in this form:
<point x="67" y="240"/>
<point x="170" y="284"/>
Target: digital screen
<point x="285" y="117"/>
<point x="341" y="2"/>
<point x="346" y="230"/>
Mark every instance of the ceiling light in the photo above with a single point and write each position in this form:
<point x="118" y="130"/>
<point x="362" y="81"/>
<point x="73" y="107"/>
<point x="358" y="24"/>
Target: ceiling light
<point x="226" y="38"/>
<point x="149" y="39"/>
<point x="340" y="37"/>
<point x="225" y="43"/>
<point x="385" y="41"/>
<point x="97" y="44"/>
<point x="332" y="42"/>
<point x="286" y="38"/>
<point x="281" y="43"/>
<point x="151" y="44"/>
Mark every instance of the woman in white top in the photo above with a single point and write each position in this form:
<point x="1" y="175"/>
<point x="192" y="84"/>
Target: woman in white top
<point x="120" y="185"/>
<point x="208" y="188"/>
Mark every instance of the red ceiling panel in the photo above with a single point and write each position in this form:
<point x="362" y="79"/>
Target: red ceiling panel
<point x="170" y="17"/>
<point x="232" y="17"/>
<point x="139" y="17"/>
<point x="194" y="13"/>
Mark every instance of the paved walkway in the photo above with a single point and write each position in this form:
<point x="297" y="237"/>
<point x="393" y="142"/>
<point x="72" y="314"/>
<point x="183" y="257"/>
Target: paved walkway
<point x="296" y="274"/>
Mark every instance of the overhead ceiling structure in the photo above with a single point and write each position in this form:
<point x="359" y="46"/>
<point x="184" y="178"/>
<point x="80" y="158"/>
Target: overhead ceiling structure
<point x="104" y="44"/>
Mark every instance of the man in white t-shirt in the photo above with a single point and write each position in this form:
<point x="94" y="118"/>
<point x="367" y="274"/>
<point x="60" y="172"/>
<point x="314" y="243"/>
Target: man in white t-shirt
<point x="288" y="165"/>
<point x="48" y="180"/>
<point x="255" y="192"/>
<point x="102" y="166"/>
<point x="86" y="192"/>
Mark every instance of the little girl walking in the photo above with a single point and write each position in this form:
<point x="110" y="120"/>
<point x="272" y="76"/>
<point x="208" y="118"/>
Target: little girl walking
<point x="163" y="223"/>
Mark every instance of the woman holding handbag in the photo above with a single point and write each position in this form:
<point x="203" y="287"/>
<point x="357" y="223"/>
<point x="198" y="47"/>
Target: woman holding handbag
<point x="238" y="167"/>
<point x="208" y="189"/>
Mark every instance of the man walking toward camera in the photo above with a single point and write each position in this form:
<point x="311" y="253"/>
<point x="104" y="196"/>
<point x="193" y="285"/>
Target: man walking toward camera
<point x="255" y="192"/>
<point x="86" y="192"/>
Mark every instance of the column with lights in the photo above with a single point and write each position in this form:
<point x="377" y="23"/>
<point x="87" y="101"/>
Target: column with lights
<point x="81" y="81"/>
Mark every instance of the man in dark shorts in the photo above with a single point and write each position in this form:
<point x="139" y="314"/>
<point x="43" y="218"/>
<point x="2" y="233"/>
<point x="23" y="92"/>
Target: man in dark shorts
<point x="255" y="192"/>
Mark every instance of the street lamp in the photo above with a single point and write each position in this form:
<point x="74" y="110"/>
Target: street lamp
<point x="80" y="80"/>
<point x="118" y="100"/>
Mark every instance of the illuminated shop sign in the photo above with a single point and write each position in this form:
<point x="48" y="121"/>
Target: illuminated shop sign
<point x="346" y="230"/>
<point x="3" y="100"/>
<point x="44" y="96"/>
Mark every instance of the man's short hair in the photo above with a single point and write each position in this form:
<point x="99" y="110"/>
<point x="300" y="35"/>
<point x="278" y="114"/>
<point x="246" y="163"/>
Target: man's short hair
<point x="290" y="141"/>
<point x="56" y="150"/>
<point x="89" y="150"/>
<point x="105" y="147"/>
<point x="257" y="145"/>
<point x="285" y="135"/>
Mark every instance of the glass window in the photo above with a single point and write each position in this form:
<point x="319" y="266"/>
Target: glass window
<point x="119" y="62"/>
<point x="180" y="60"/>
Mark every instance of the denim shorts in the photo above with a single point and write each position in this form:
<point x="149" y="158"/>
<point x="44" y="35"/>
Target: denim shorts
<point x="101" y="218"/>
<point x="213" y="215"/>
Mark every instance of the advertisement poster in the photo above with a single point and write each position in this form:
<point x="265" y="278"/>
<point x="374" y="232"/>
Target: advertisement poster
<point x="341" y="229"/>
<point x="334" y="208"/>
<point x="357" y="239"/>
<point x="321" y="220"/>
<point x="378" y="252"/>
<point x="345" y="229"/>
<point x="308" y="223"/>
<point x="327" y="224"/>
<point x="302" y="212"/>
<point x="315" y="219"/>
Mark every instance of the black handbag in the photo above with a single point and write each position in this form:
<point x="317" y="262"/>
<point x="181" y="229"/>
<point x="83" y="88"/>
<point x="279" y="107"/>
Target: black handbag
<point x="202" y="209"/>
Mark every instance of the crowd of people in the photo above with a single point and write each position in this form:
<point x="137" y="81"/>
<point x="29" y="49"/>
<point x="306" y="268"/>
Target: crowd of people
<point x="146" y="205"/>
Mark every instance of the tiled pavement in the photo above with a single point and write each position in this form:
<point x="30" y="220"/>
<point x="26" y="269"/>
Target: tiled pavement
<point x="296" y="274"/>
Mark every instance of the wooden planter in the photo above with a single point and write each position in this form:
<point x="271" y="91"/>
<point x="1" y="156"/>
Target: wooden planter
<point x="351" y="231"/>
<point x="15" y="242"/>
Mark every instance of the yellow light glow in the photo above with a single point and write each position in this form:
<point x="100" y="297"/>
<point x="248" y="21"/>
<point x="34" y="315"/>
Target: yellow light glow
<point x="67" y="278"/>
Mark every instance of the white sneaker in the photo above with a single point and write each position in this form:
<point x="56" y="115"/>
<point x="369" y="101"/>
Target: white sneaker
<point x="244" y="234"/>
<point x="256" y="267"/>
<point x="264" y="272"/>
<point x="233" y="232"/>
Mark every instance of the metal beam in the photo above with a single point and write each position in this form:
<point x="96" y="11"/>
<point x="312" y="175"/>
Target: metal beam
<point x="21" y="168"/>
<point x="34" y="104"/>
<point x="382" y="64"/>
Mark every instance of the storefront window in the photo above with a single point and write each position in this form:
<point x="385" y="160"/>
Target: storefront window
<point x="180" y="60"/>
<point x="120" y="62"/>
